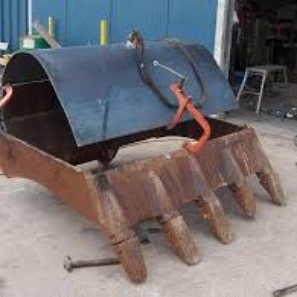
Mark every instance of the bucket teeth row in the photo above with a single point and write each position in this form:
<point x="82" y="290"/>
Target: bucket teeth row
<point x="168" y="183"/>
<point x="119" y="198"/>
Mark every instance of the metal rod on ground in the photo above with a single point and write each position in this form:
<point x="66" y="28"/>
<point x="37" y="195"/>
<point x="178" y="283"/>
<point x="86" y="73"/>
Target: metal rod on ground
<point x="69" y="264"/>
<point x="285" y="291"/>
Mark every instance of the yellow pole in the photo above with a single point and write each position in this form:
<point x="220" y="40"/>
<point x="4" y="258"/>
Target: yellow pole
<point x="51" y="30"/>
<point x="103" y="32"/>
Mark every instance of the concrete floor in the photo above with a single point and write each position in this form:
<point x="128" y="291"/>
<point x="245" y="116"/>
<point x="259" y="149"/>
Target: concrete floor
<point x="37" y="232"/>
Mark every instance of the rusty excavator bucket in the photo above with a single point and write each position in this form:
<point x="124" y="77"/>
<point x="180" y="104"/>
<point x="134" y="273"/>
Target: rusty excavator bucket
<point x="69" y="106"/>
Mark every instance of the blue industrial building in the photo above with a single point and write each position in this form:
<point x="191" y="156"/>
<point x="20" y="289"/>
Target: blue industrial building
<point x="13" y="21"/>
<point x="77" y="22"/>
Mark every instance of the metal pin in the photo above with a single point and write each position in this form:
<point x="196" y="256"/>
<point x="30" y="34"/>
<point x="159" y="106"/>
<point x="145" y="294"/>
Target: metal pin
<point x="285" y="291"/>
<point x="69" y="264"/>
<point x="157" y="64"/>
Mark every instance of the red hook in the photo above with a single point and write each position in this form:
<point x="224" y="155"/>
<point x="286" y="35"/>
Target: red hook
<point x="8" y="91"/>
<point x="185" y="103"/>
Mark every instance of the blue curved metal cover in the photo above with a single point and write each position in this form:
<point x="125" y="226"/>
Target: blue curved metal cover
<point x="103" y="96"/>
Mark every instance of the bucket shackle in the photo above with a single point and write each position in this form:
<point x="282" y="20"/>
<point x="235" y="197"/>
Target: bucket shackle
<point x="185" y="104"/>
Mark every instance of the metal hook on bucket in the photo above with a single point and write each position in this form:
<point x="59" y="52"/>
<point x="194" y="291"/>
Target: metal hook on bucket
<point x="8" y="91"/>
<point x="185" y="104"/>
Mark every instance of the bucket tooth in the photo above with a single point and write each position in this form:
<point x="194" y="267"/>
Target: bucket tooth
<point x="267" y="176"/>
<point x="178" y="236"/>
<point x="173" y="226"/>
<point x="271" y="183"/>
<point x="210" y="206"/>
<point x="245" y="199"/>
<point x="212" y="211"/>
<point x="130" y="254"/>
<point x="126" y="245"/>
<point x="235" y="181"/>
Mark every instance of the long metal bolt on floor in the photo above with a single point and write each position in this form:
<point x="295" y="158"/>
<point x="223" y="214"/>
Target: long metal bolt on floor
<point x="70" y="265"/>
<point x="285" y="291"/>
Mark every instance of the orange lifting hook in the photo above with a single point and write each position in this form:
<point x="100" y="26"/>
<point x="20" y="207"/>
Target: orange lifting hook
<point x="8" y="90"/>
<point x="185" y="103"/>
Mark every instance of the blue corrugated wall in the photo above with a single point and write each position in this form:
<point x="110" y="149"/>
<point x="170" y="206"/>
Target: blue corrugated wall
<point x="13" y="21"/>
<point x="77" y="22"/>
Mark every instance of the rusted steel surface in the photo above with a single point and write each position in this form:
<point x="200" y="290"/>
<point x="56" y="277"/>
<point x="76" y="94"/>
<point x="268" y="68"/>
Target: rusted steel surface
<point x="117" y="199"/>
<point x="81" y="191"/>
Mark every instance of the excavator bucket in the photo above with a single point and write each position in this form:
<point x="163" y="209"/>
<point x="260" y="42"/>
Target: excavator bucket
<point x="69" y="106"/>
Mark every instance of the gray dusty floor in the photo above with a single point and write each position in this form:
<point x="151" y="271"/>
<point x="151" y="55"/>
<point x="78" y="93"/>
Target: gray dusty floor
<point x="37" y="232"/>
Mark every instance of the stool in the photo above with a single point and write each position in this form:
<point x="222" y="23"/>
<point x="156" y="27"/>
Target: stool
<point x="263" y="71"/>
